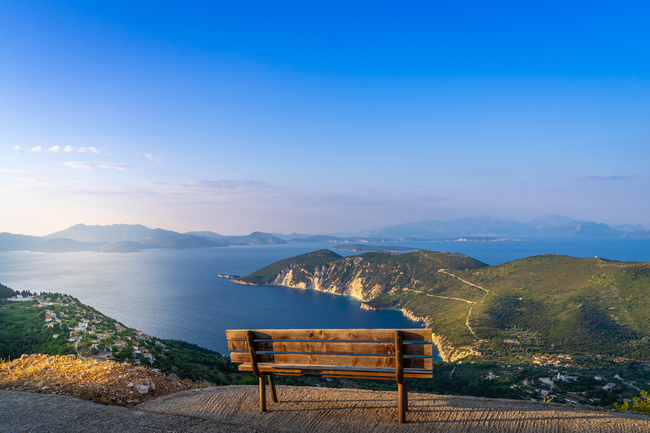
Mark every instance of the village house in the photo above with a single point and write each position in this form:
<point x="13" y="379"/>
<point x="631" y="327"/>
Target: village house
<point x="566" y="378"/>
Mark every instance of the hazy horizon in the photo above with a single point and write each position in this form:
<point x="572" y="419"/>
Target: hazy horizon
<point x="332" y="118"/>
<point x="357" y="233"/>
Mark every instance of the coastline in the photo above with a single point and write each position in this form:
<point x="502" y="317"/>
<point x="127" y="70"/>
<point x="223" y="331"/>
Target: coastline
<point x="446" y="351"/>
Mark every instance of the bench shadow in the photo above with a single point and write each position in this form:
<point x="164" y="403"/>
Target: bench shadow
<point x="424" y="408"/>
<point x="332" y="401"/>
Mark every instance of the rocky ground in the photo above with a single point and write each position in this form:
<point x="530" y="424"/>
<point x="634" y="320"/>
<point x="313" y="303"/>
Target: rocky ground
<point x="97" y="381"/>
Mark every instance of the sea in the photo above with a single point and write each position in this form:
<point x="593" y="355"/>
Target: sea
<point x="177" y="294"/>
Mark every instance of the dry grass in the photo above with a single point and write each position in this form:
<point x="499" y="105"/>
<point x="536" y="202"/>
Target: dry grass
<point x="97" y="381"/>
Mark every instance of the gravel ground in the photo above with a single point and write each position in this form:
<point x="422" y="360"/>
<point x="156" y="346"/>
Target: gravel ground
<point x="32" y="412"/>
<point x="305" y="409"/>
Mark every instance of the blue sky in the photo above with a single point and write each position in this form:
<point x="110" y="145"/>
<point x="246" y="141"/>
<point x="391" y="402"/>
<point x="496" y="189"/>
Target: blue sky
<point x="321" y="116"/>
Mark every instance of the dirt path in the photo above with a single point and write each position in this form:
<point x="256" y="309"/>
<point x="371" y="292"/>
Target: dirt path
<point x="469" y="313"/>
<point x="444" y="271"/>
<point x="438" y="296"/>
<point x="306" y="409"/>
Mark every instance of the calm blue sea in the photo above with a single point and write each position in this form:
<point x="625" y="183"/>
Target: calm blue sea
<point x="177" y="293"/>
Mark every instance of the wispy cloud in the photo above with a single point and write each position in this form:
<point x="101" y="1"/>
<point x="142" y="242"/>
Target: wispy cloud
<point x="36" y="149"/>
<point x="48" y="187"/>
<point x="211" y="185"/>
<point x="54" y="148"/>
<point x="608" y="177"/>
<point x="13" y="170"/>
<point x="91" y="165"/>
<point x="88" y="149"/>
<point x="80" y="149"/>
<point x="150" y="157"/>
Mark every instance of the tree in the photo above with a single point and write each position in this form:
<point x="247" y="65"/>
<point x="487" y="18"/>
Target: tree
<point x="639" y="404"/>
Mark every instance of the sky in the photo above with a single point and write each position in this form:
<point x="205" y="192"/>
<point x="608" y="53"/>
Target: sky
<point x="321" y="117"/>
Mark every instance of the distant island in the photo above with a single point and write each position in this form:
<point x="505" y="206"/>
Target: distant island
<point x="369" y="248"/>
<point x="126" y="238"/>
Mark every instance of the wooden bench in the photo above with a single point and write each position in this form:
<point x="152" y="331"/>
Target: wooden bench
<point x="381" y="354"/>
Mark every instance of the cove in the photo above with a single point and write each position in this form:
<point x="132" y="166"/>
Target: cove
<point x="177" y="293"/>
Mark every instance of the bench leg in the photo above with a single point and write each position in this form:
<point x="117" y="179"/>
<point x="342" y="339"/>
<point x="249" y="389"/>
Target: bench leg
<point x="401" y="407"/>
<point x="262" y="395"/>
<point x="274" y="396"/>
<point x="406" y="395"/>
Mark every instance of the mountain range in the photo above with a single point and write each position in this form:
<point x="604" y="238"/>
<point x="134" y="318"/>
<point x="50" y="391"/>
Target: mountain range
<point x="136" y="237"/>
<point x="126" y="238"/>
<point x="547" y="225"/>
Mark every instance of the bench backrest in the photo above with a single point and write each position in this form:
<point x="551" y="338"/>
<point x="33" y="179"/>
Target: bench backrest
<point x="371" y="348"/>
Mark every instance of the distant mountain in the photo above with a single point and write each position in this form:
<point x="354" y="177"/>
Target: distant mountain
<point x="291" y="236"/>
<point x="184" y="241"/>
<point x="206" y="234"/>
<point x="636" y="234"/>
<point x="319" y="238"/>
<point x="111" y="233"/>
<point x="355" y="239"/>
<point x="123" y="247"/>
<point x="11" y="242"/>
<point x="174" y="241"/>
<point x="373" y="248"/>
<point x="67" y="246"/>
<point x="631" y="227"/>
<point x="584" y="229"/>
<point x="548" y="222"/>
<point x="255" y="238"/>
<point x="439" y="229"/>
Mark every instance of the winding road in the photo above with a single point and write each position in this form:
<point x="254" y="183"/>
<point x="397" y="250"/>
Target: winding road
<point x="469" y="313"/>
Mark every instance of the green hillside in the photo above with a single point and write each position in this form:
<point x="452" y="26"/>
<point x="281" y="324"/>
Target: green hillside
<point x="541" y="304"/>
<point x="309" y="260"/>
<point x="52" y="324"/>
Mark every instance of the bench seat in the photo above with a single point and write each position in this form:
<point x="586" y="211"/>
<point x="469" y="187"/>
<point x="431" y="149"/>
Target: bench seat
<point x="329" y="370"/>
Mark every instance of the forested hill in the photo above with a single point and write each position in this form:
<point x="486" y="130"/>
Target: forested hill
<point x="540" y="304"/>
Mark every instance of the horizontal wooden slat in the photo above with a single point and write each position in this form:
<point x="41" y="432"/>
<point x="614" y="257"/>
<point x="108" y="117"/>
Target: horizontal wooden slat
<point x="326" y="370"/>
<point x="331" y="334"/>
<point x="340" y="376"/>
<point x="331" y="347"/>
<point x="338" y="360"/>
